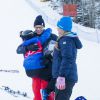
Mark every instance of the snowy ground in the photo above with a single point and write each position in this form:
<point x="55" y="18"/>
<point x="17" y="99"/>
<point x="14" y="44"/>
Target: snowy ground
<point x="17" y="15"/>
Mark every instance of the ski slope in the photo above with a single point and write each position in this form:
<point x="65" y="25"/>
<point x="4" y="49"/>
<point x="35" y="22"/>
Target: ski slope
<point x="17" y="15"/>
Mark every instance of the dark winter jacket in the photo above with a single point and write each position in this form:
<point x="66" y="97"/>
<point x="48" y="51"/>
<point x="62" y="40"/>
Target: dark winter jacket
<point x="46" y="73"/>
<point x="64" y="58"/>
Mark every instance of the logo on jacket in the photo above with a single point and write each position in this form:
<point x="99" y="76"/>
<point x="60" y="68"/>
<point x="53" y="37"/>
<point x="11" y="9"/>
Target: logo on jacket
<point x="64" y="42"/>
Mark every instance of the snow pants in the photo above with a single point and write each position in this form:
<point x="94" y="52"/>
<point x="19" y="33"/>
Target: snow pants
<point x="39" y="90"/>
<point x="37" y="85"/>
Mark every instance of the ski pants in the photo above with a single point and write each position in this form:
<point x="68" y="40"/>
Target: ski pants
<point x="37" y="85"/>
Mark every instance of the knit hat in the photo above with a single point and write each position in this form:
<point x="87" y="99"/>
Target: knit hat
<point x="39" y="21"/>
<point x="65" y="23"/>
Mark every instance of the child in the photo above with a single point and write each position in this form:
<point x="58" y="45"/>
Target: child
<point x="64" y="67"/>
<point x="32" y="60"/>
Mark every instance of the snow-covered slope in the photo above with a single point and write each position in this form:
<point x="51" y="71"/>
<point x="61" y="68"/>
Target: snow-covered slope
<point x="17" y="15"/>
<point x="51" y="16"/>
<point x="88" y="71"/>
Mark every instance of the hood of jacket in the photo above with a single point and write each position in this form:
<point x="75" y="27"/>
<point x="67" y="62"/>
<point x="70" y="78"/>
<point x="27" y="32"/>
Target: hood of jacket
<point x="75" y="38"/>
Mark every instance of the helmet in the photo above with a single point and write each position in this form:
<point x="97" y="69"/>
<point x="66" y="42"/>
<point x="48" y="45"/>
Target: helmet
<point x="80" y="98"/>
<point x="27" y="34"/>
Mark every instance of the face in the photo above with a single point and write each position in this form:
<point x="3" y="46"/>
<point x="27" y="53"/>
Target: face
<point x="60" y="31"/>
<point x="39" y="29"/>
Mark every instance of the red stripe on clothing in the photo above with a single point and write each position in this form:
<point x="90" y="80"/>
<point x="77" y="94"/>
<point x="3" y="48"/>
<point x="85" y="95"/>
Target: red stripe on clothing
<point x="34" y="52"/>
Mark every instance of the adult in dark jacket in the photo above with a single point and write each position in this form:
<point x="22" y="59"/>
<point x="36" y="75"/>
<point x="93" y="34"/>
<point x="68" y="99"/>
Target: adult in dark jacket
<point x="64" y="67"/>
<point x="39" y="72"/>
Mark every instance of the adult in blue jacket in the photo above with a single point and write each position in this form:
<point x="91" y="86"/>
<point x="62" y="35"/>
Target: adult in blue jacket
<point x="64" y="67"/>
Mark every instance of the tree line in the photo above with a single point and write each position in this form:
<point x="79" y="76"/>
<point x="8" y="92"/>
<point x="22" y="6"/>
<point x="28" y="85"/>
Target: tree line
<point x="88" y="11"/>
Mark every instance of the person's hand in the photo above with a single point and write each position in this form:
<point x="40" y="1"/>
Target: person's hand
<point x="60" y="83"/>
<point x="32" y="47"/>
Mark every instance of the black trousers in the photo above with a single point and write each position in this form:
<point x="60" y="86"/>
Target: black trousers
<point x="51" y="86"/>
<point x="66" y="93"/>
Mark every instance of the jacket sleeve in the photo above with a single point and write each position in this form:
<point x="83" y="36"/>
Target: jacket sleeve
<point x="67" y="56"/>
<point x="21" y="49"/>
<point x="30" y="41"/>
<point x="54" y="37"/>
<point x="45" y="36"/>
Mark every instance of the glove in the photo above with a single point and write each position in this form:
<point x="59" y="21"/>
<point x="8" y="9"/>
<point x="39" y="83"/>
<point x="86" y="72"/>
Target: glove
<point x="32" y="47"/>
<point x="21" y="49"/>
<point x="60" y="83"/>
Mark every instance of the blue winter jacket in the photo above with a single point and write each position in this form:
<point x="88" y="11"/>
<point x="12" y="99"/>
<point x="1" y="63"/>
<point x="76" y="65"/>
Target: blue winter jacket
<point x="64" y="58"/>
<point x="34" y="61"/>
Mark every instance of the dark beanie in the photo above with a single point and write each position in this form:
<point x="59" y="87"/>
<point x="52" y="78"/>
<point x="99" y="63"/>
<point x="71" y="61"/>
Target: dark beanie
<point x="39" y="21"/>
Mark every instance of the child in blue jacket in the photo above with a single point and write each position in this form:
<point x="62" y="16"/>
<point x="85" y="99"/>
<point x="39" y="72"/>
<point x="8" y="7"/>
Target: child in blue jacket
<point x="33" y="59"/>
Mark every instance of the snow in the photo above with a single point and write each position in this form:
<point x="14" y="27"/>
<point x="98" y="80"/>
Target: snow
<point x="17" y="15"/>
<point x="88" y="71"/>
